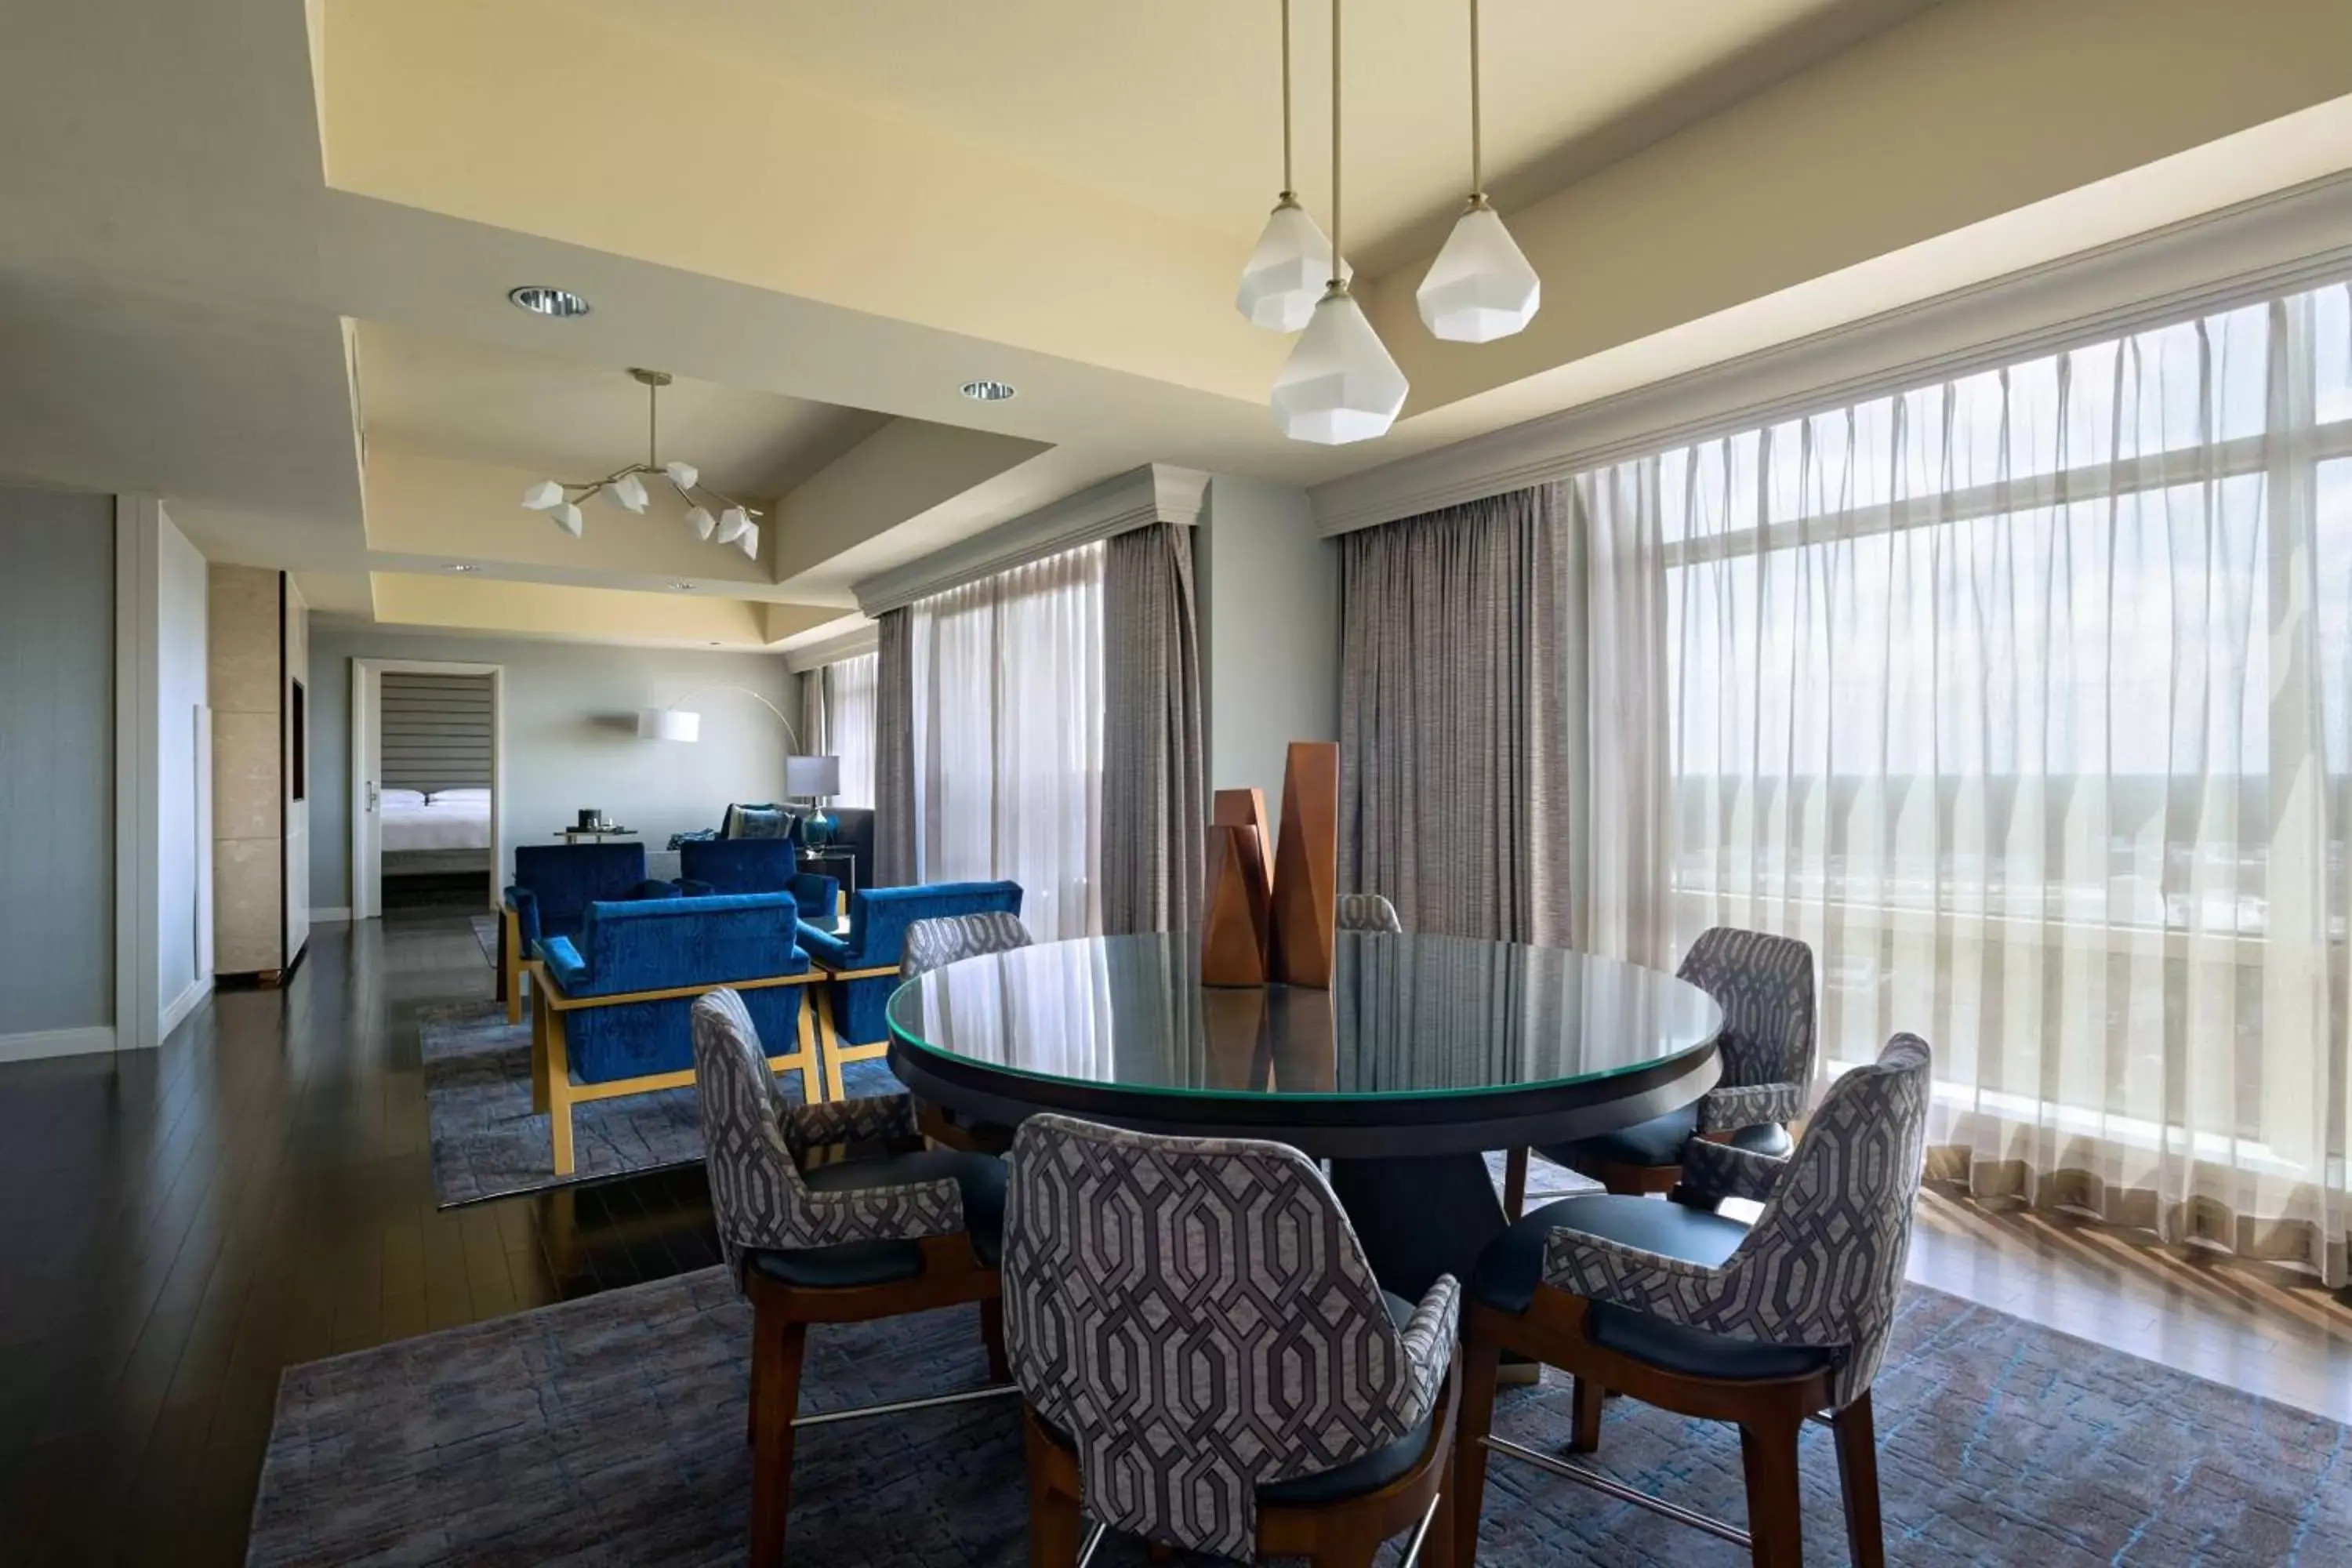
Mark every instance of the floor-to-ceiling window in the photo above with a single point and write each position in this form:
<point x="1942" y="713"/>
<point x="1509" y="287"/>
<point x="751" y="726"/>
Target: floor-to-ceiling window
<point x="849" y="724"/>
<point x="2025" y="697"/>
<point x="1008" y="737"/>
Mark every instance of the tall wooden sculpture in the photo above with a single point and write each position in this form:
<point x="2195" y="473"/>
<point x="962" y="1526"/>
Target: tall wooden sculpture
<point x="1237" y="927"/>
<point x="1306" y="865"/>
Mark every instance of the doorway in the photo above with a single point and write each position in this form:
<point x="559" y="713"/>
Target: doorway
<point x="428" y="785"/>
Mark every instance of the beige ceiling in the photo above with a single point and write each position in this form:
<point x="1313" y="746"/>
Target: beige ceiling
<point x="441" y="396"/>
<point x="825" y="217"/>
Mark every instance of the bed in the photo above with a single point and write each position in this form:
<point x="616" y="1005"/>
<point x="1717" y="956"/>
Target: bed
<point x="434" y="834"/>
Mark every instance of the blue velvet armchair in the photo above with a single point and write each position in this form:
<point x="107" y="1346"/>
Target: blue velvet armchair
<point x="553" y="886"/>
<point x="614" y="1015"/>
<point x="863" y="966"/>
<point x="756" y="866"/>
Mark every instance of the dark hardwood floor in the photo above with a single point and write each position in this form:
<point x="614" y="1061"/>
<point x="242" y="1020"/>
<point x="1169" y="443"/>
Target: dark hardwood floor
<point x="184" y="1224"/>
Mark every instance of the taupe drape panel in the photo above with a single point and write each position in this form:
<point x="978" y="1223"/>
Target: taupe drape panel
<point x="1154" y="806"/>
<point x="816" y="732"/>
<point x="894" y="754"/>
<point x="1454" y="755"/>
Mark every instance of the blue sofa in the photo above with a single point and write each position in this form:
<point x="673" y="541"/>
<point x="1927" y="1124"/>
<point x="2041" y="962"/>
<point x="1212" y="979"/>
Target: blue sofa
<point x="878" y="918"/>
<point x="553" y="886"/>
<point x="594" y="1035"/>
<point x="755" y="866"/>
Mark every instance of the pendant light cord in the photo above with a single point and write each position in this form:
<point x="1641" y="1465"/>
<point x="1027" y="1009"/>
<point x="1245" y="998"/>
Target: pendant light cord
<point x="1477" y="149"/>
<point x="653" y="426"/>
<point x="1336" y="252"/>
<point x="1290" y="190"/>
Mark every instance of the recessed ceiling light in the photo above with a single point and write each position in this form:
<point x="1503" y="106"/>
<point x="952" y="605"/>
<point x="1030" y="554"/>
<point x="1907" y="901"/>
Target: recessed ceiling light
<point x="683" y="588"/>
<point x="987" y="391"/>
<point x="541" y="301"/>
<point x="718" y="644"/>
<point x="461" y="567"/>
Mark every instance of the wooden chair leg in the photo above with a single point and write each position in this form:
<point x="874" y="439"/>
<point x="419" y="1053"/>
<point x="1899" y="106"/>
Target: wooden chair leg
<point x="1775" y="1506"/>
<point x="1054" y="1522"/>
<point x="1586" y="1399"/>
<point x="1857" y="1450"/>
<point x="992" y="1336"/>
<point x="777" y="1345"/>
<point x="1480" y="1359"/>
<point x="1515" y="1184"/>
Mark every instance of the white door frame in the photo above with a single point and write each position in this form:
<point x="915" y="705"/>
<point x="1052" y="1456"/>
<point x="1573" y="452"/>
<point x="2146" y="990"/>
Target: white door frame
<point x="367" y="758"/>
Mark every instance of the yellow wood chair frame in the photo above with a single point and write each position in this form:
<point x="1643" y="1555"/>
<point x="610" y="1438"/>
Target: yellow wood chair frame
<point x="553" y="1092"/>
<point x="836" y="1055"/>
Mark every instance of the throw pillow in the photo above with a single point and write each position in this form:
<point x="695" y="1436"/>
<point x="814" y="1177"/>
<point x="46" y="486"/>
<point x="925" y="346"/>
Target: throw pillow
<point x="760" y="822"/>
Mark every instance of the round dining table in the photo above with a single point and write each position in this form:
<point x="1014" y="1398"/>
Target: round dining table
<point x="1426" y="1053"/>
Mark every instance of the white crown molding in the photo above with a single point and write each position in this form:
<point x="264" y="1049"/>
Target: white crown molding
<point x="2272" y="245"/>
<point x="1153" y="493"/>
<point x="851" y="644"/>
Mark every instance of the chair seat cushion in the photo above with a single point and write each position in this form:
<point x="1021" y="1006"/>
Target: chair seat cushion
<point x="1358" y="1477"/>
<point x="1511" y="1268"/>
<point x="980" y="1178"/>
<point x="1659" y="1142"/>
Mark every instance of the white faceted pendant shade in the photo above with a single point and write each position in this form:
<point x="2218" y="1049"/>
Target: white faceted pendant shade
<point x="750" y="540"/>
<point x="731" y="524"/>
<point x="567" y="518"/>
<point x="630" y="491"/>
<point x="698" y="519"/>
<point x="683" y="475"/>
<point x="544" y="496"/>
<point x="1340" y="383"/>
<point x="1481" y="286"/>
<point x="1287" y="273"/>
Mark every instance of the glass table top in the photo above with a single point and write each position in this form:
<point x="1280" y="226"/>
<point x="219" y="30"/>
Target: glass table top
<point x="1406" y="1016"/>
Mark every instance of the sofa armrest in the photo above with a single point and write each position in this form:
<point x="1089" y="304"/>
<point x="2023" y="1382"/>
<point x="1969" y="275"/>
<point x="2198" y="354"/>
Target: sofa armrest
<point x="525" y="904"/>
<point x="564" y="965"/>
<point x="827" y="948"/>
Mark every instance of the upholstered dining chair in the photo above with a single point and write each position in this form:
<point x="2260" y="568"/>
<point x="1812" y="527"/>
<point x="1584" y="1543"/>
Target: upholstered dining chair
<point x="1369" y="912"/>
<point x="905" y="1230"/>
<point x="1682" y="1308"/>
<point x="1764" y="983"/>
<point x="944" y="939"/>
<point x="1207" y="1360"/>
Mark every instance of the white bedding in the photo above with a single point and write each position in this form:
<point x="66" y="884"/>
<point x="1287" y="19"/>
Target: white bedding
<point x="439" y="823"/>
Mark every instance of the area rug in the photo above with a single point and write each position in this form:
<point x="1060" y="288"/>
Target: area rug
<point x="488" y="1143"/>
<point x="486" y="932"/>
<point x="610" y="1431"/>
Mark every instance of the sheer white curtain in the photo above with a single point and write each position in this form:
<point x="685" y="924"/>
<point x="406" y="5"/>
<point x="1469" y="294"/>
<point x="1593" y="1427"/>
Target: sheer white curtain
<point x="849" y="691"/>
<point x="2026" y="698"/>
<point x="1008" y="721"/>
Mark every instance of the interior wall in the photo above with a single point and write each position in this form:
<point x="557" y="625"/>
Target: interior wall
<point x="1268" y="587"/>
<point x="570" y="736"/>
<point x="183" y="800"/>
<point x="57" y="772"/>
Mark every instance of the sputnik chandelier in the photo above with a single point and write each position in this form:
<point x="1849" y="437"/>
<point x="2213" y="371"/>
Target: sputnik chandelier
<point x="561" y="499"/>
<point x="1340" y="383"/>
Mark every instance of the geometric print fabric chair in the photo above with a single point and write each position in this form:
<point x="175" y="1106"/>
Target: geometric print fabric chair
<point x="1208" y="1362"/>
<point x="1761" y="1325"/>
<point x="932" y="943"/>
<point x="850" y="1241"/>
<point x="1369" y="913"/>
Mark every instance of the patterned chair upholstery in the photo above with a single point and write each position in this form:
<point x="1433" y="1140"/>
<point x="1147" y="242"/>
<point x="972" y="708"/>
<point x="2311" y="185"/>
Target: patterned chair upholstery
<point x="1369" y="912"/>
<point x="1263" y="1274"/>
<point x="1765" y="985"/>
<point x="933" y="942"/>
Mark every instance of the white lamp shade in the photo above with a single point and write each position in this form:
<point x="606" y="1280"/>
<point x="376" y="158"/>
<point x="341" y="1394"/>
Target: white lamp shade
<point x="567" y="518"/>
<point x="1481" y="286"/>
<point x="1339" y="385"/>
<point x="731" y="524"/>
<point x="1287" y="272"/>
<point x="669" y="724"/>
<point x="748" y="539"/>
<point x="544" y="496"/>
<point x="698" y="519"/>
<point x="682" y="475"/>
<point x="812" y="775"/>
<point x="630" y="491"/>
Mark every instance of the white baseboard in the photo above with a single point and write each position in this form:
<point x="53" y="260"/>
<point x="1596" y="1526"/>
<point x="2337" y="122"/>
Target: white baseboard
<point x="339" y="916"/>
<point x="42" y="1043"/>
<point x="181" y="1006"/>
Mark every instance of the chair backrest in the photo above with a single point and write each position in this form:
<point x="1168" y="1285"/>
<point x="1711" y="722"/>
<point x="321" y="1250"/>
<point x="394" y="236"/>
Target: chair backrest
<point x="1119" y="1247"/>
<point x="740" y="865"/>
<point x="945" y="938"/>
<point x="567" y="878"/>
<point x="879" y="917"/>
<point x="1764" y="984"/>
<point x="1369" y="912"/>
<point x="649" y="944"/>
<point x="756" y="1190"/>
<point x="1827" y="1254"/>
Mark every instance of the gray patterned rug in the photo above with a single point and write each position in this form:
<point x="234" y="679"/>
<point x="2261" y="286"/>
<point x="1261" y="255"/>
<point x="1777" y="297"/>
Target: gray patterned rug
<point x="487" y="1141"/>
<point x="610" y="1431"/>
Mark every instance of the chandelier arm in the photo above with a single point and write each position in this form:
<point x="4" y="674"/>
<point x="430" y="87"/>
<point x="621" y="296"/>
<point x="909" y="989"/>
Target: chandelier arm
<point x="1289" y="188"/>
<point x="1477" y="143"/>
<point x="653" y="392"/>
<point x="1336" y="282"/>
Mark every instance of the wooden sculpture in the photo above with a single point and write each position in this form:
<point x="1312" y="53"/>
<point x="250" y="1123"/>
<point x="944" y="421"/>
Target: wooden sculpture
<point x="1236" y="921"/>
<point x="1306" y="865"/>
<point x="1246" y="809"/>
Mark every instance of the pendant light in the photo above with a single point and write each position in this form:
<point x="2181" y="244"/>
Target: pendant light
<point x="1480" y="286"/>
<point x="1284" y="275"/>
<point x="1339" y="385"/>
